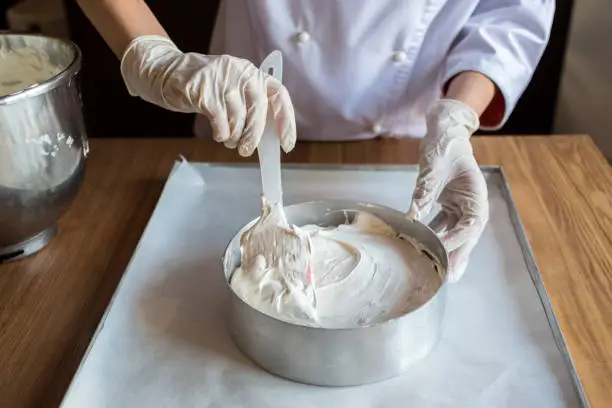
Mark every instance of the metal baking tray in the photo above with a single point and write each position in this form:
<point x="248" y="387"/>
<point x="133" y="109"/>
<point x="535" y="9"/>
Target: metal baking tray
<point x="163" y="340"/>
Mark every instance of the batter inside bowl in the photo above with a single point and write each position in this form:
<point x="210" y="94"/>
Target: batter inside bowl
<point x="24" y="67"/>
<point x="361" y="273"/>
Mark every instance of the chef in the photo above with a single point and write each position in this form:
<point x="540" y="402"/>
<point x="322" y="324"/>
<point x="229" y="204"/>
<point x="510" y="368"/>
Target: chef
<point x="353" y="69"/>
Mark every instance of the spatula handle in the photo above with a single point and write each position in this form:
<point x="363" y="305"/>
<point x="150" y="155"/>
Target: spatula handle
<point x="268" y="149"/>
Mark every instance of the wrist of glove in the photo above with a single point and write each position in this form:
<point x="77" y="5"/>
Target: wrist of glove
<point x="232" y="92"/>
<point x="450" y="175"/>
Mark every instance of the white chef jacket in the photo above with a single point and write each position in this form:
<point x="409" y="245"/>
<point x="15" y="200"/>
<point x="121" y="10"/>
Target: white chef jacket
<point x="358" y="69"/>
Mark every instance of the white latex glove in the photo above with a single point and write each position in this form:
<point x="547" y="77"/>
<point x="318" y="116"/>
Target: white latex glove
<point x="232" y="92"/>
<point x="448" y="173"/>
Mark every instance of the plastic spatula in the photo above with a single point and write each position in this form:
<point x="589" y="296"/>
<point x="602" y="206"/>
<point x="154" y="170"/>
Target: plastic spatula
<point x="269" y="146"/>
<point x="271" y="236"/>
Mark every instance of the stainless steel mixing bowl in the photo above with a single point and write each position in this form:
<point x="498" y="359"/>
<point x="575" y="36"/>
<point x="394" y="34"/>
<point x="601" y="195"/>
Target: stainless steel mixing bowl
<point x="339" y="357"/>
<point x="42" y="147"/>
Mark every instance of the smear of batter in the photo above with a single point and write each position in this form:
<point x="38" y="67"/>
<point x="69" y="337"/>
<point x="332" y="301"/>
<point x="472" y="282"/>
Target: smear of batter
<point x="21" y="68"/>
<point x="275" y="275"/>
<point x="362" y="273"/>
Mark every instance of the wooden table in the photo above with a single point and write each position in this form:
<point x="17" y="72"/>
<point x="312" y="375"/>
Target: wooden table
<point x="51" y="302"/>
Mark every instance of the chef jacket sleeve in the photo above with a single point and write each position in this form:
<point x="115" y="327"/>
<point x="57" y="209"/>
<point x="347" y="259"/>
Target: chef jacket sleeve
<point x="504" y="40"/>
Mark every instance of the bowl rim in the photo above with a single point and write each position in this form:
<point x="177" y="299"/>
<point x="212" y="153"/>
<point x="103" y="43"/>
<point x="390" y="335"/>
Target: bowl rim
<point x="444" y="263"/>
<point x="65" y="74"/>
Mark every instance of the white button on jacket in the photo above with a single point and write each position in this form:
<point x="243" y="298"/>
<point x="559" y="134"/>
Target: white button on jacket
<point x="303" y="37"/>
<point x="348" y="64"/>
<point x="377" y="129"/>
<point x="399" y="56"/>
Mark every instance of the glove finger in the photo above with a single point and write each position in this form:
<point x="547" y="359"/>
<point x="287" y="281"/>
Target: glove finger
<point x="442" y="222"/>
<point x="220" y="126"/>
<point x="236" y="112"/>
<point x="458" y="260"/>
<point x="458" y="235"/>
<point x="255" y="123"/>
<point x="468" y="227"/>
<point x="284" y="115"/>
<point x="425" y="194"/>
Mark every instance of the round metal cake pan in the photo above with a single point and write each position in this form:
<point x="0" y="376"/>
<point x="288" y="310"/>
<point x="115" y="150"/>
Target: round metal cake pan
<point x="339" y="357"/>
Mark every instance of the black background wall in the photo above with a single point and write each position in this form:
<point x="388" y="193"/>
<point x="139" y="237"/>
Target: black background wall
<point x="4" y="6"/>
<point x="111" y="112"/>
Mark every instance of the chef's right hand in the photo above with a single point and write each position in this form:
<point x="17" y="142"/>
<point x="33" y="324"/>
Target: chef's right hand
<point x="232" y="92"/>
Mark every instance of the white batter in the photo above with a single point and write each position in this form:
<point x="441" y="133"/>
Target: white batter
<point x="21" y="68"/>
<point x="275" y="275"/>
<point x="362" y="273"/>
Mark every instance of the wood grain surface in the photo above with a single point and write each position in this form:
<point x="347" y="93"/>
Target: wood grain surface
<point x="51" y="303"/>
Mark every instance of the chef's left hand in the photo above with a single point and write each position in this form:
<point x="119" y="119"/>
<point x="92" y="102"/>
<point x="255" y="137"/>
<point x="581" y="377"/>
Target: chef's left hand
<point x="448" y="173"/>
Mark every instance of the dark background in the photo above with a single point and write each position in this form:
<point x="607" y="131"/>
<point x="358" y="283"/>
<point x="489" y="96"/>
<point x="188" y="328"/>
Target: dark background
<point x="111" y="112"/>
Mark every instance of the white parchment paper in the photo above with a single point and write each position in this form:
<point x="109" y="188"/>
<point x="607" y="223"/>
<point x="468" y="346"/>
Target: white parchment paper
<point x="164" y="343"/>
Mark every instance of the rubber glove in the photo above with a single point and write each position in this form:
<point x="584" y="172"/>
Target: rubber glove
<point x="232" y="92"/>
<point x="448" y="173"/>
